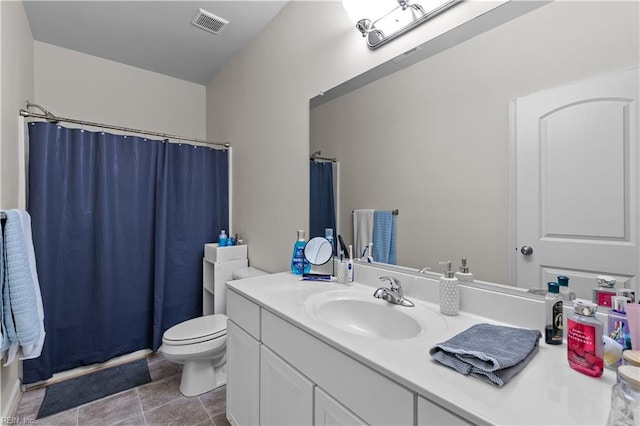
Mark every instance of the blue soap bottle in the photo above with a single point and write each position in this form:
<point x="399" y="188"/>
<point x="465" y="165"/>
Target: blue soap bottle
<point x="222" y="239"/>
<point x="299" y="265"/>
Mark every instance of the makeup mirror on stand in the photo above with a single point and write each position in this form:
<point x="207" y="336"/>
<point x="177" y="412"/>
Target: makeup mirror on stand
<point x="318" y="251"/>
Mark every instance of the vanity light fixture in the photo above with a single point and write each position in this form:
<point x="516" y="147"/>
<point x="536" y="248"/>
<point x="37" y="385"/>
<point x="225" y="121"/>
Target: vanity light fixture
<point x="380" y="21"/>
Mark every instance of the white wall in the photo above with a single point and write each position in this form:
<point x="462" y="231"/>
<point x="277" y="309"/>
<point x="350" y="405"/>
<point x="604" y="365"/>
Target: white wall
<point x="260" y="103"/>
<point x="16" y="76"/>
<point x="432" y="140"/>
<point x="76" y="85"/>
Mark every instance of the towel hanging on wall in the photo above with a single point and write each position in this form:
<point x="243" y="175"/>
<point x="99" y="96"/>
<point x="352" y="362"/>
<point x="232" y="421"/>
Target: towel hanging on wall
<point x="362" y="230"/>
<point x="23" y="314"/>
<point x="384" y="237"/>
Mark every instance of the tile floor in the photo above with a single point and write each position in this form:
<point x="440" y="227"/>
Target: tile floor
<point x="154" y="404"/>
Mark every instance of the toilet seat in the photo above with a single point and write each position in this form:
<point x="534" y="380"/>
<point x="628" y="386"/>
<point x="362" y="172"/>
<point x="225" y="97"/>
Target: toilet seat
<point x="196" y="330"/>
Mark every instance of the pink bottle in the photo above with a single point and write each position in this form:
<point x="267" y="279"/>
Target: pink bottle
<point x="584" y="339"/>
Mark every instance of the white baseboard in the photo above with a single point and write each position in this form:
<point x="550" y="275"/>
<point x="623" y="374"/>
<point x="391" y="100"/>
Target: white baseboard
<point x="9" y="409"/>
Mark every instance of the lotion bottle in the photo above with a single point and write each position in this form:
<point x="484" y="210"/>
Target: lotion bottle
<point x="584" y="339"/>
<point x="553" y="326"/>
<point x="463" y="274"/>
<point x="449" y="292"/>
<point x="565" y="293"/>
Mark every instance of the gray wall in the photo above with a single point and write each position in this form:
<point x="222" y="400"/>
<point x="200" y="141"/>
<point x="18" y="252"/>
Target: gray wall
<point x="260" y="103"/>
<point x="16" y="76"/>
<point x="432" y="140"/>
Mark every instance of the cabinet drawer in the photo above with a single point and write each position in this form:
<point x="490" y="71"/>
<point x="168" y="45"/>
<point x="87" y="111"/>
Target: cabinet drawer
<point x="368" y="394"/>
<point x="244" y="312"/>
<point x="432" y="414"/>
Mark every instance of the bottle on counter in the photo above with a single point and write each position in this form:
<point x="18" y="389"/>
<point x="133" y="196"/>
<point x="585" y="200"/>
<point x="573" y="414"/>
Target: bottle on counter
<point x="565" y="293"/>
<point x="449" y="291"/>
<point x="222" y="239"/>
<point x="463" y="273"/>
<point x="618" y="324"/>
<point x="605" y="291"/>
<point x="299" y="264"/>
<point x="328" y="234"/>
<point x="553" y="331"/>
<point x="625" y="398"/>
<point x="584" y="339"/>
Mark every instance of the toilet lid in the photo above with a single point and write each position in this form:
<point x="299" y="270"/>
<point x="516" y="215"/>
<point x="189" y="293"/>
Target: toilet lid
<point x="197" y="330"/>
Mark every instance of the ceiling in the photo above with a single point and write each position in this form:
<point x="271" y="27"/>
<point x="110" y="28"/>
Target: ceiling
<point x="152" y="35"/>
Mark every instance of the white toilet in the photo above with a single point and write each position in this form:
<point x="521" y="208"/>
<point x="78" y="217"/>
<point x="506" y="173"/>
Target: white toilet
<point x="200" y="343"/>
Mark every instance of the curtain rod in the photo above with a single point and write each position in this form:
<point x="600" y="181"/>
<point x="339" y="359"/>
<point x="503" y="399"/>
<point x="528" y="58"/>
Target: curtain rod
<point x="55" y="119"/>
<point x="395" y="212"/>
<point x="316" y="156"/>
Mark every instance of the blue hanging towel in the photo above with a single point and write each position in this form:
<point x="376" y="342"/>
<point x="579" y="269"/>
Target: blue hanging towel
<point x="384" y="237"/>
<point x="4" y="339"/>
<point x="22" y="304"/>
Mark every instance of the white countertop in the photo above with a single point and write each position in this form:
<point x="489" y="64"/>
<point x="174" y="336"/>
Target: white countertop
<point x="547" y="391"/>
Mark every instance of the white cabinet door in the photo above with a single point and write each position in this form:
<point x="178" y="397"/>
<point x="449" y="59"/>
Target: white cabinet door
<point x="330" y="412"/>
<point x="243" y="377"/>
<point x="432" y="414"/>
<point x="577" y="183"/>
<point x="286" y="396"/>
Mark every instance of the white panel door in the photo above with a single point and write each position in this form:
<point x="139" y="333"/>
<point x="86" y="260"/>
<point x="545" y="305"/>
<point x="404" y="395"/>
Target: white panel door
<point x="577" y="183"/>
<point x="286" y="396"/>
<point x="243" y="377"/>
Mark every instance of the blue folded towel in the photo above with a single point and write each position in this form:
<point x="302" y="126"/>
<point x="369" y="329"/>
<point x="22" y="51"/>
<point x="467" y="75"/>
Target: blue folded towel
<point x="491" y="353"/>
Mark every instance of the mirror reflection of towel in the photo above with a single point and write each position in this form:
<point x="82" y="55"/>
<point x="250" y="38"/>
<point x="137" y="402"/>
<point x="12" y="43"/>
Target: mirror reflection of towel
<point x="384" y="237"/>
<point x="362" y="231"/>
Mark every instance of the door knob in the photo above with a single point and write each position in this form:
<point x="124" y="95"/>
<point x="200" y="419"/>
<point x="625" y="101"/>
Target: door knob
<point x="526" y="250"/>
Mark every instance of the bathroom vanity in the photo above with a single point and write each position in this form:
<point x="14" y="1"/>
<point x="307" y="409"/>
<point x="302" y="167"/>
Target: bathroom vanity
<point x="302" y="352"/>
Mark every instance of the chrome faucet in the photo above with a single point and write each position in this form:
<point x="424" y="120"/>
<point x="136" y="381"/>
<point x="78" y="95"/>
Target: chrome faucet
<point x="392" y="294"/>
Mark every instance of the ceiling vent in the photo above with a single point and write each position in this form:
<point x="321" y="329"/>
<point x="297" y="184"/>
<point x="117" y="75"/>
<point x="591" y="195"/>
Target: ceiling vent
<point x="209" y="22"/>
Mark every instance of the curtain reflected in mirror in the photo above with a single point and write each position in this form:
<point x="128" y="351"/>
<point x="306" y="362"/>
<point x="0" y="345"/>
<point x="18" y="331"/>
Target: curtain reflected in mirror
<point x="322" y="200"/>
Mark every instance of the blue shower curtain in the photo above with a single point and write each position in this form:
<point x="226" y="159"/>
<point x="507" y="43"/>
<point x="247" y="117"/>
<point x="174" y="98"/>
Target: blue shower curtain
<point x="322" y="210"/>
<point x="119" y="225"/>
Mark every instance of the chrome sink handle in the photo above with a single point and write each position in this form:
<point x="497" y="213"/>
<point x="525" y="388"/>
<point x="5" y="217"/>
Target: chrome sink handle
<point x="393" y="294"/>
<point x="394" y="283"/>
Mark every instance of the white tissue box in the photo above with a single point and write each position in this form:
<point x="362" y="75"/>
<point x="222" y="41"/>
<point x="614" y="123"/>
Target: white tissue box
<point x="213" y="253"/>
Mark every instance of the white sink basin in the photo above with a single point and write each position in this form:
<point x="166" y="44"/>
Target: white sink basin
<point x="361" y="314"/>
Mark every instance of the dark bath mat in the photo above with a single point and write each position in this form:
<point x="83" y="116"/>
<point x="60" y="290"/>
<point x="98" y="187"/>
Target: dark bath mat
<point x="75" y="392"/>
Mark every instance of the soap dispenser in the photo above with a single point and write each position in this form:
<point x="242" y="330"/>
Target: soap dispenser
<point x="449" y="292"/>
<point x="463" y="274"/>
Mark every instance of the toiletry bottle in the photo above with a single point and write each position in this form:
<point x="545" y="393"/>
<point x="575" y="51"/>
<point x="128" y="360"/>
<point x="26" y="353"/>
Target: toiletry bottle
<point x="449" y="292"/>
<point x="463" y="274"/>
<point x="565" y="293"/>
<point x="350" y="265"/>
<point x="328" y="234"/>
<point x="299" y="265"/>
<point x="553" y="331"/>
<point x="584" y="339"/>
<point x="605" y="291"/>
<point x="222" y="239"/>
<point x="617" y="322"/>
<point x="628" y="293"/>
<point x="625" y="397"/>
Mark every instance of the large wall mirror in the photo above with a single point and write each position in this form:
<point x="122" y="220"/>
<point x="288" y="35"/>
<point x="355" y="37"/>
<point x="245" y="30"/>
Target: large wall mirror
<point x="432" y="140"/>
